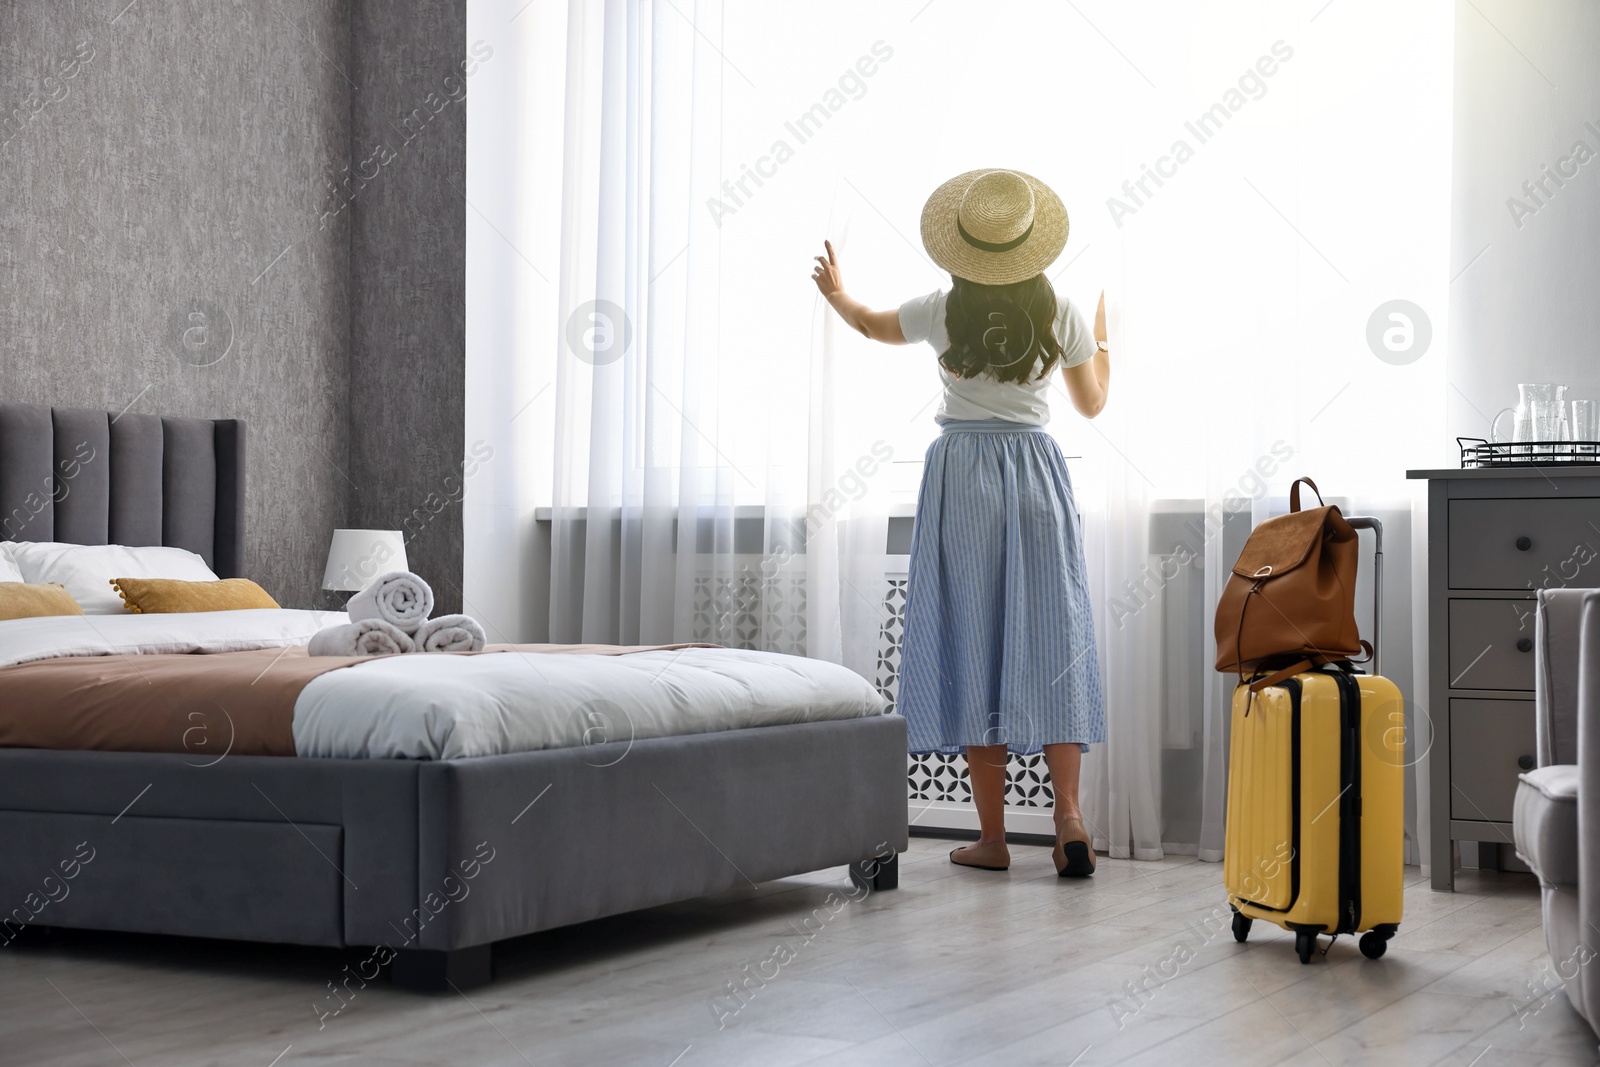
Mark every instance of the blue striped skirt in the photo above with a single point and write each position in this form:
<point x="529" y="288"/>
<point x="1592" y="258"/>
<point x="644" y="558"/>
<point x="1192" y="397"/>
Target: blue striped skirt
<point x="999" y="641"/>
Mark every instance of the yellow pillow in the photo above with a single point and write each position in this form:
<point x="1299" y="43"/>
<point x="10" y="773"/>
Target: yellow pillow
<point x="164" y="596"/>
<point x="21" y="601"/>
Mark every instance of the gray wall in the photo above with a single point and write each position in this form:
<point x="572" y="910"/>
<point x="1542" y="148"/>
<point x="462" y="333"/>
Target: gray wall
<point x="1526" y="310"/>
<point x="408" y="274"/>
<point x="175" y="166"/>
<point x="191" y="164"/>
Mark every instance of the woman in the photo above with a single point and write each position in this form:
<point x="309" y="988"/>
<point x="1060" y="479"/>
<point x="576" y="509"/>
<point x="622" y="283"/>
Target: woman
<point x="999" y="649"/>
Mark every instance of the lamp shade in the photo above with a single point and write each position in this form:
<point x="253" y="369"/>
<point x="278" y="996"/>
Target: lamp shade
<point x="357" y="556"/>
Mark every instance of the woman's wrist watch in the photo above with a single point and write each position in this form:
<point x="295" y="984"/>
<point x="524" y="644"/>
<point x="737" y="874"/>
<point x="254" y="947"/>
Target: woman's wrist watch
<point x="1102" y="346"/>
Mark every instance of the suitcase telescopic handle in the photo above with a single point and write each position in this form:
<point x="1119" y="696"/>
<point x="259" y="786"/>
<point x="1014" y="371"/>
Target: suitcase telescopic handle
<point x="1368" y="522"/>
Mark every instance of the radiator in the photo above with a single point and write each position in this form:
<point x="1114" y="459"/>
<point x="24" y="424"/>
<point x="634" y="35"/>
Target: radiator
<point x="747" y="610"/>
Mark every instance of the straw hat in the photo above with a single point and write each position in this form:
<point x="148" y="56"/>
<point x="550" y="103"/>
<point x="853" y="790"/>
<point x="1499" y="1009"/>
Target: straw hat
<point x="994" y="227"/>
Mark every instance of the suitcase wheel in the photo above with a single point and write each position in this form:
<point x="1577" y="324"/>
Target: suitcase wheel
<point x="1241" y="926"/>
<point x="1376" y="941"/>
<point x="1305" y="943"/>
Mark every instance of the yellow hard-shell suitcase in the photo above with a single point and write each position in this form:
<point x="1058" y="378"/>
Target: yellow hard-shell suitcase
<point x="1316" y="780"/>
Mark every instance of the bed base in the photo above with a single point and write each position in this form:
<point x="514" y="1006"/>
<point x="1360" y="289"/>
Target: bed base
<point x="430" y="863"/>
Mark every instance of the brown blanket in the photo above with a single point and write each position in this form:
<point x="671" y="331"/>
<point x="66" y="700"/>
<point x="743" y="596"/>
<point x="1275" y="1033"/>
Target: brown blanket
<point x="239" y="703"/>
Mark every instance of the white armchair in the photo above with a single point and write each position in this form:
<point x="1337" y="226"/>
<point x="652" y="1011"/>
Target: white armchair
<point x="1556" y="819"/>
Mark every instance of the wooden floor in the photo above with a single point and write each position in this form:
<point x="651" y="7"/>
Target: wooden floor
<point x="955" y="967"/>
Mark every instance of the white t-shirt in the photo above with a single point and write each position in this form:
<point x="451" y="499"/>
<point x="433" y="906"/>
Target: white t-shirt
<point x="984" y="396"/>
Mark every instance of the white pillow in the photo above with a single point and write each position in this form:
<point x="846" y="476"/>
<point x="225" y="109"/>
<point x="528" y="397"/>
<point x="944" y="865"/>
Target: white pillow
<point x="8" y="570"/>
<point x="87" y="570"/>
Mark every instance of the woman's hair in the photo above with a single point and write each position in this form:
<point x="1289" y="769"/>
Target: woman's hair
<point x="1001" y="330"/>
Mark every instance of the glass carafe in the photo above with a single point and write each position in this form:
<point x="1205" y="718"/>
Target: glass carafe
<point x="1540" y="416"/>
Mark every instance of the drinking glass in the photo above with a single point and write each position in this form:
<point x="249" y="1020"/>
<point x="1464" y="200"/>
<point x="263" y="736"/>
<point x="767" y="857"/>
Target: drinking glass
<point x="1548" y="419"/>
<point x="1586" y="420"/>
<point x="1586" y="429"/>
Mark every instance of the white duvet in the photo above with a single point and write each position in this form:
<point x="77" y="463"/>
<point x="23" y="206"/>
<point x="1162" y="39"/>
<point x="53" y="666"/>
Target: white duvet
<point x="424" y="706"/>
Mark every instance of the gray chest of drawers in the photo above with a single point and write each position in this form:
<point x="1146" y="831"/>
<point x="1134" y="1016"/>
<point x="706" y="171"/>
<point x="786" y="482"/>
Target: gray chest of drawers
<point x="1495" y="537"/>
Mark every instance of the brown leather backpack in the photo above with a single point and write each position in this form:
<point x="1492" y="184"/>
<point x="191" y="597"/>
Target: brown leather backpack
<point x="1289" y="604"/>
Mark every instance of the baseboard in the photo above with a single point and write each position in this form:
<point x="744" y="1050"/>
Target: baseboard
<point x="1012" y="837"/>
<point x="1024" y="826"/>
<point x="949" y="818"/>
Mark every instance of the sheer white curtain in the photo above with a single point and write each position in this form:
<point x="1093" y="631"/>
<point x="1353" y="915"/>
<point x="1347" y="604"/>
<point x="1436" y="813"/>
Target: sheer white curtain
<point x="704" y="480"/>
<point x="1243" y="280"/>
<point x="720" y="458"/>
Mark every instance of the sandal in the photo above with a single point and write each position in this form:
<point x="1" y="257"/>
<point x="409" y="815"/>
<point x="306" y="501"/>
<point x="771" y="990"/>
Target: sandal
<point x="1074" y="851"/>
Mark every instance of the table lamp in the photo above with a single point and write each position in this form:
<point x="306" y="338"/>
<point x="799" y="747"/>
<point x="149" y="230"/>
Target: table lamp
<point x="357" y="556"/>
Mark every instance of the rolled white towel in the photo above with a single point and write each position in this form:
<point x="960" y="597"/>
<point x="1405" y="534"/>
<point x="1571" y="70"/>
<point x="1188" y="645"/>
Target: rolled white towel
<point x="399" y="598"/>
<point x="368" y="637"/>
<point x="450" y="633"/>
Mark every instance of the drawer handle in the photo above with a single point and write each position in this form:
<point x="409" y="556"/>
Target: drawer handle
<point x="1526" y="762"/>
<point x="1524" y="644"/>
<point x="1524" y="543"/>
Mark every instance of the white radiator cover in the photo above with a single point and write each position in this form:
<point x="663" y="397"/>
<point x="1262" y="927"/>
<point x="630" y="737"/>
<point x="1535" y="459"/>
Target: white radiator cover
<point x="748" y="611"/>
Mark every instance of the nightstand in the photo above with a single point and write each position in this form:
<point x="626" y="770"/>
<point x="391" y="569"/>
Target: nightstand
<point x="1495" y="536"/>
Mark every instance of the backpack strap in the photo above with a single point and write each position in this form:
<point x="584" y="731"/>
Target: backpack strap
<point x="1279" y="676"/>
<point x="1350" y="664"/>
<point x="1294" y="493"/>
<point x="1258" y="683"/>
<point x="1238" y="648"/>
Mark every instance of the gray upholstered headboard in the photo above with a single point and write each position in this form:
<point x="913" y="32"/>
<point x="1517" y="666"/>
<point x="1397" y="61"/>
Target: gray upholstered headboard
<point x="94" y="478"/>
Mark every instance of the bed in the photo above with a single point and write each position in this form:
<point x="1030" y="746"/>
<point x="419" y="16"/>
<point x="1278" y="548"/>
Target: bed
<point x="425" y="855"/>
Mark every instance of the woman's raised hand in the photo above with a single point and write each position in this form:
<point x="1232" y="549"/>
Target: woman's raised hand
<point x="826" y="272"/>
<point x="874" y="325"/>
